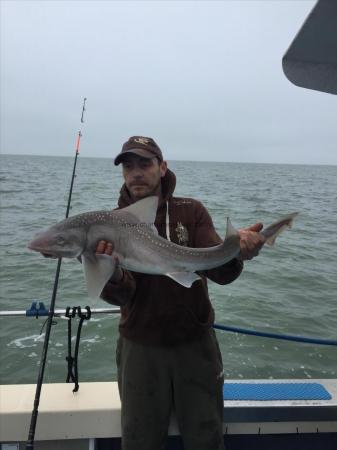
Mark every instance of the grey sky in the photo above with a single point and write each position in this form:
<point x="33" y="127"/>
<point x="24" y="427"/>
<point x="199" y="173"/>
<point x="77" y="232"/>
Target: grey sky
<point x="204" y="79"/>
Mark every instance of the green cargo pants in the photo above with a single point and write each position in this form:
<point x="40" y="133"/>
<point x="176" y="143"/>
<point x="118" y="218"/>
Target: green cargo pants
<point x="154" y="380"/>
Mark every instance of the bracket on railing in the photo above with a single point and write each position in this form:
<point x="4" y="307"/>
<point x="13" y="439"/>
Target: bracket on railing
<point x="35" y="311"/>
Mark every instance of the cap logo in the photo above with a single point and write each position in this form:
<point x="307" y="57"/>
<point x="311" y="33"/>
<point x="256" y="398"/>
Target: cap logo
<point x="141" y="140"/>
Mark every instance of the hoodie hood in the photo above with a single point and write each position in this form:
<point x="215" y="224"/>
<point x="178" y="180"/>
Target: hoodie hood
<point x="168" y="184"/>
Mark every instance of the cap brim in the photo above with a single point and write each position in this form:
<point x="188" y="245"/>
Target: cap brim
<point x="137" y="151"/>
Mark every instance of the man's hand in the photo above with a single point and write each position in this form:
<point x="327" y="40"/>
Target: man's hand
<point x="107" y="248"/>
<point x="104" y="248"/>
<point x="251" y="241"/>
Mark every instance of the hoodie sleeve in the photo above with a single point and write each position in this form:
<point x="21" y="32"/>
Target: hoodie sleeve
<point x="119" y="293"/>
<point x="206" y="236"/>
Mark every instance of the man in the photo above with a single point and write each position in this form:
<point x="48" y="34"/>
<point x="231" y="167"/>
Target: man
<point x="167" y="354"/>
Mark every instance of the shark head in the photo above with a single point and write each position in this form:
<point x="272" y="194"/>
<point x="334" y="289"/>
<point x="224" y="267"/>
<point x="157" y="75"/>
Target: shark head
<point x="60" y="241"/>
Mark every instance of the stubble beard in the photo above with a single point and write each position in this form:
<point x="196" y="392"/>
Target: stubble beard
<point x="155" y="191"/>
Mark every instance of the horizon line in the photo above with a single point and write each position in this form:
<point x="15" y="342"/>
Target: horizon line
<point x="179" y="160"/>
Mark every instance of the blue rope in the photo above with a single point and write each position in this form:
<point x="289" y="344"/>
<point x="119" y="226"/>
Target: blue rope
<point x="286" y="337"/>
<point x="42" y="311"/>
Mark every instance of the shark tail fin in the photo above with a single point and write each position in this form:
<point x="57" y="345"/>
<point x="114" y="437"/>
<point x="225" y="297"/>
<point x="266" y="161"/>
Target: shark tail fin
<point x="274" y="230"/>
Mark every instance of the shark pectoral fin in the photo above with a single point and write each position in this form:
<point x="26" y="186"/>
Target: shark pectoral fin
<point x="98" y="270"/>
<point x="186" y="279"/>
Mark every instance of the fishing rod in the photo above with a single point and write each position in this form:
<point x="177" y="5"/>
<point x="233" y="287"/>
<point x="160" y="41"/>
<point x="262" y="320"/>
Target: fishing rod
<point x="32" y="428"/>
<point x="83" y="110"/>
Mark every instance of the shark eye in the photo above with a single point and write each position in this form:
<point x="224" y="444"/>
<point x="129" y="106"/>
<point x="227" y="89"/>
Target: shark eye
<point x="60" y="240"/>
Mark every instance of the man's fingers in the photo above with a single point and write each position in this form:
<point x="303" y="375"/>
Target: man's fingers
<point x="256" y="227"/>
<point x="104" y="247"/>
<point x="248" y="250"/>
<point x="251" y="241"/>
<point x="108" y="248"/>
<point x="101" y="247"/>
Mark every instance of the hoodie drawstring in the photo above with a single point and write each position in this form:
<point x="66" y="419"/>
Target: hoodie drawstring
<point x="167" y="222"/>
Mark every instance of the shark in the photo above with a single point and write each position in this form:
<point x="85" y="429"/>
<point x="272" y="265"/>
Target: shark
<point x="137" y="245"/>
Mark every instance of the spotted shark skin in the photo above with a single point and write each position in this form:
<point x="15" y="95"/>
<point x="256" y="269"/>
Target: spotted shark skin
<point x="137" y="245"/>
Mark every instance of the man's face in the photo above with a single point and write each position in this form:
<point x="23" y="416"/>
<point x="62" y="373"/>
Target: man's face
<point x="143" y="175"/>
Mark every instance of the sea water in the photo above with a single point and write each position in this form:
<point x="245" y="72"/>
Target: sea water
<point x="290" y="288"/>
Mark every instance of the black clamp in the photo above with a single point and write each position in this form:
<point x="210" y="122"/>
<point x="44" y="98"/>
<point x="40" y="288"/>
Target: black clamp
<point x="73" y="360"/>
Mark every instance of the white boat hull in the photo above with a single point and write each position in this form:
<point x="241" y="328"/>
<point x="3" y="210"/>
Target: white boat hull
<point x="81" y="420"/>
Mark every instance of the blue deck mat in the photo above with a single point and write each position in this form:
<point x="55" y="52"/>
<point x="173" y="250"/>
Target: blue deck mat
<point x="275" y="391"/>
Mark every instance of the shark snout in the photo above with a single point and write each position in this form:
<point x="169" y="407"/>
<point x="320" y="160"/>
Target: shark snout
<point x="41" y="244"/>
<point x="32" y="246"/>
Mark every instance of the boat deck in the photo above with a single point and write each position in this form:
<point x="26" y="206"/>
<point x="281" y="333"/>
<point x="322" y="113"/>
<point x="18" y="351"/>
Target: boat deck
<point x="90" y="418"/>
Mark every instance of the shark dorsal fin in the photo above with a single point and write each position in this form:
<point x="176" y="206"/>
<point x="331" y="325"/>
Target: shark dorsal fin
<point x="144" y="210"/>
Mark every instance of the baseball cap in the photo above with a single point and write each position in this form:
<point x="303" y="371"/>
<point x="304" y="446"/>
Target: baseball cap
<point x="142" y="146"/>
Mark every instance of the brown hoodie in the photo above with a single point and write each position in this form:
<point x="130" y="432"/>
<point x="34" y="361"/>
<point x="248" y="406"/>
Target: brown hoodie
<point x="154" y="308"/>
